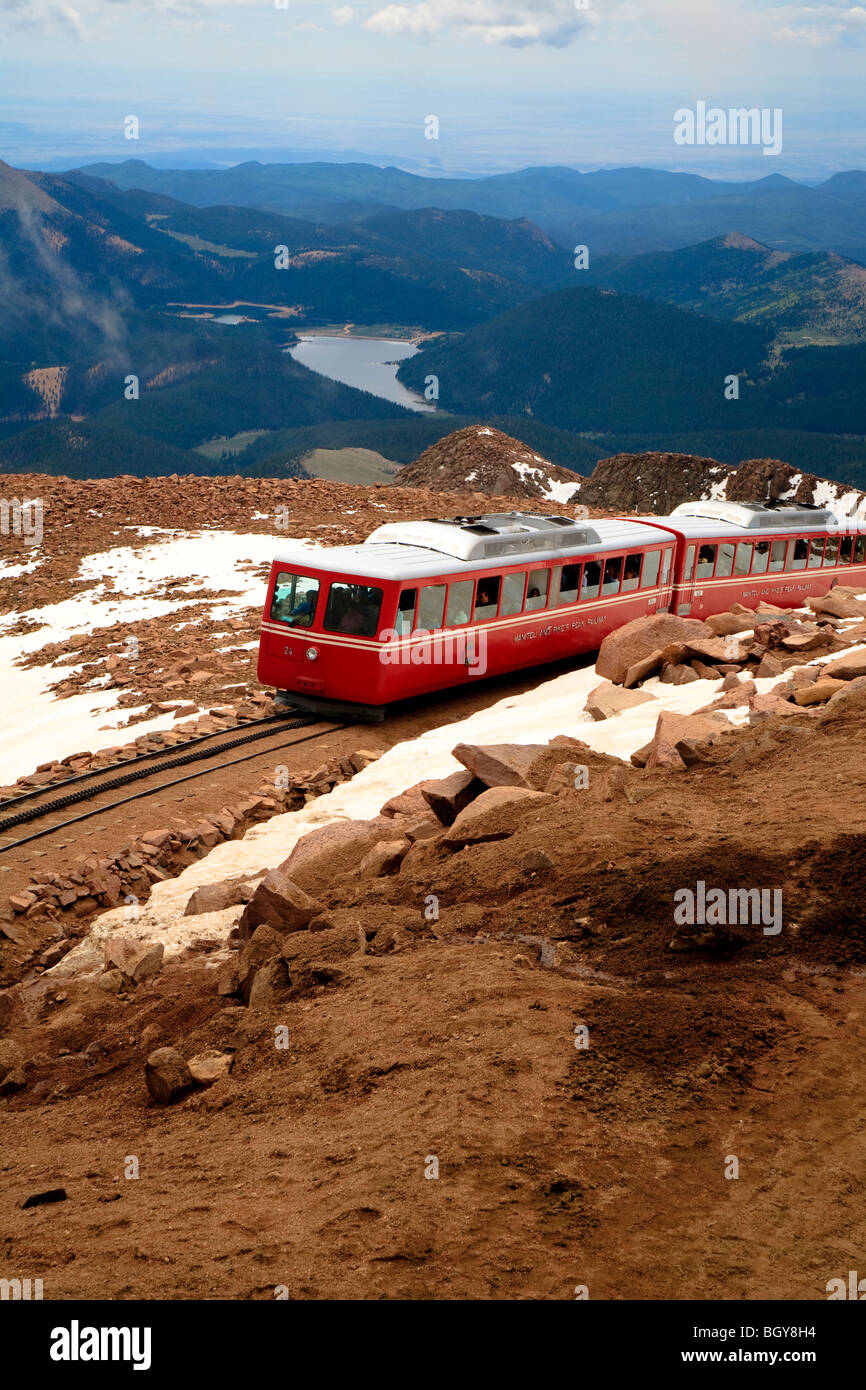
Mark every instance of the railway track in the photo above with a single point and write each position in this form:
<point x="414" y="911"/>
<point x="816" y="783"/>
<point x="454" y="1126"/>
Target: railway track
<point x="146" y="765"/>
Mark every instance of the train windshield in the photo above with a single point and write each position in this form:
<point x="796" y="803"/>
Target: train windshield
<point x="295" y="598"/>
<point x="353" y="608"/>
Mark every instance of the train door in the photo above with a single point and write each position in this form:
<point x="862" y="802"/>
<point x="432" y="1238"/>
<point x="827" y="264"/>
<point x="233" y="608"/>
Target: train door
<point x="685" y="591"/>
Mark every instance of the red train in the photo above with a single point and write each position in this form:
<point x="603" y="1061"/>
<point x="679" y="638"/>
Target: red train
<point x="423" y="605"/>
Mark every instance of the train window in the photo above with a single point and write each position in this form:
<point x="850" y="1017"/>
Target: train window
<point x="651" y="563"/>
<point x="777" y="556"/>
<point x="831" y="554"/>
<point x="431" y="607"/>
<point x="725" y="566"/>
<point x="666" y="567"/>
<point x="591" y="582"/>
<point x="688" y="567"/>
<point x="487" y="597"/>
<point x="860" y="550"/>
<point x="762" y="557"/>
<point x="706" y="561"/>
<point x="798" y="554"/>
<point x="631" y="572"/>
<point x="612" y="575"/>
<point x="406" y="611"/>
<point x="353" y="608"/>
<point x="816" y="552"/>
<point x="536" y="592"/>
<point x="295" y="599"/>
<point x="459" y="602"/>
<point x="513" y="586"/>
<point x="569" y="583"/>
<point x="846" y="550"/>
<point x="743" y="563"/>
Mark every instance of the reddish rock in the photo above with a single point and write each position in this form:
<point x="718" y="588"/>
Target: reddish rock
<point x="848" y="667"/>
<point x="734" y="648"/>
<point x="500" y="764"/>
<point x="676" y="673"/>
<point x="136" y="959"/>
<point x="167" y="1075"/>
<point x="769" y="666"/>
<point x="608" y="699"/>
<point x="819" y="691"/>
<point x="214" y="897"/>
<point x="278" y="902"/>
<point x="838" y="603"/>
<point x="316" y="853"/>
<point x="494" y="815"/>
<point x="448" y="796"/>
<point x="676" y="735"/>
<point x="384" y="858"/>
<point x="641" y="638"/>
<point x="726" y="624"/>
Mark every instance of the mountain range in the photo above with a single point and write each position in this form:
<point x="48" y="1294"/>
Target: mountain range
<point x="108" y="275"/>
<point x="621" y="211"/>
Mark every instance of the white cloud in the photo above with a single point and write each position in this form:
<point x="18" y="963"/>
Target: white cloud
<point x="343" y="15"/>
<point x="819" y="25"/>
<point x="552" y="22"/>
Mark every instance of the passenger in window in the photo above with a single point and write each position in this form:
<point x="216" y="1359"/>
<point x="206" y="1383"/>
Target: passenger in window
<point x="534" y="593"/>
<point x="631" y="573"/>
<point x="591" y="579"/>
<point x="301" y="614"/>
<point x="706" y="561"/>
<point x="487" y="594"/>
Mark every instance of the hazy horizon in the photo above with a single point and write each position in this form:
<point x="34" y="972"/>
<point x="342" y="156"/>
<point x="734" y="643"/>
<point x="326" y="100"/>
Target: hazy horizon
<point x="513" y="84"/>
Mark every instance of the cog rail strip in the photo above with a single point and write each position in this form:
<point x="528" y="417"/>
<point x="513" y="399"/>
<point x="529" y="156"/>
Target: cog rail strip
<point x="135" y="773"/>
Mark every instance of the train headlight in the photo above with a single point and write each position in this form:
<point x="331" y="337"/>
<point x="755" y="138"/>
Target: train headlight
<point x="312" y="653"/>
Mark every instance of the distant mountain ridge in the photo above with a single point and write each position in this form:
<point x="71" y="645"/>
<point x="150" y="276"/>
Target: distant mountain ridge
<point x="628" y="211"/>
<point x="818" y="296"/>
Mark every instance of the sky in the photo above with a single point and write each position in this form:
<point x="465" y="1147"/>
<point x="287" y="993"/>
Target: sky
<point x="589" y="83"/>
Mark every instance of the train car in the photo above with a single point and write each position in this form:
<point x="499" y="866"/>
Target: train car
<point x="421" y="606"/>
<point x="753" y="552"/>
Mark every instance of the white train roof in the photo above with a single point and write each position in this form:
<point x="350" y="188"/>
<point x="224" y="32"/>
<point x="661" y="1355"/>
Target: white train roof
<point x="754" y="516"/>
<point x="428" y="548"/>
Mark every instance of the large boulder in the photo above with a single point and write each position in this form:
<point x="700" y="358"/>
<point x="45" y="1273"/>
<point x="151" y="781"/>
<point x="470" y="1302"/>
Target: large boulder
<point x="278" y="902"/>
<point x="641" y="638"/>
<point x="608" y="699"/>
<point x="495" y="815"/>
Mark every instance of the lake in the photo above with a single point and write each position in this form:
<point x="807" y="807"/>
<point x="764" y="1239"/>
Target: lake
<point x="370" y="364"/>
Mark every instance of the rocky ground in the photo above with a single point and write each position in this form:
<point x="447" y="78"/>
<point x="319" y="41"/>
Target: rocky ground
<point x="462" y="1046"/>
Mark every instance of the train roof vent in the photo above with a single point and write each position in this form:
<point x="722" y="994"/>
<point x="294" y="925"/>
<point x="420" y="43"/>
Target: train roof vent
<point x="493" y="534"/>
<point x="755" y="516"/>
